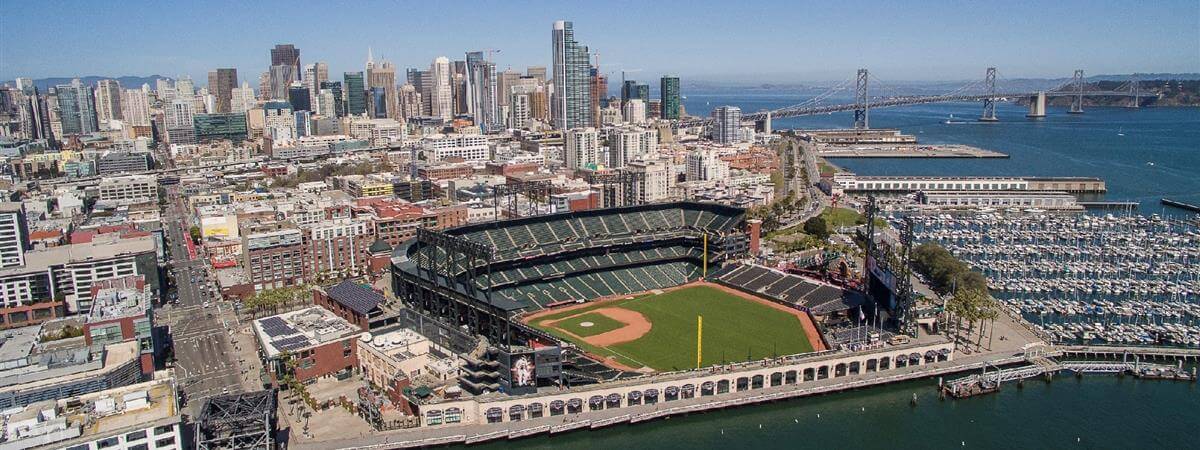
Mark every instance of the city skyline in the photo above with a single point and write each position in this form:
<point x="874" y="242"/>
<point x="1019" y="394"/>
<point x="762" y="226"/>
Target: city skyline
<point x="908" y="42"/>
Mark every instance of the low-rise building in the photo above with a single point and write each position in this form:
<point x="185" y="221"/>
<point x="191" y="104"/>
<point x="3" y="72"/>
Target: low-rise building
<point x="317" y="342"/>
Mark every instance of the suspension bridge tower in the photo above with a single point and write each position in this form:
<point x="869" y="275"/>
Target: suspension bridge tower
<point x="989" y="103"/>
<point x="1077" y="88"/>
<point x="1135" y="92"/>
<point x="862" y="106"/>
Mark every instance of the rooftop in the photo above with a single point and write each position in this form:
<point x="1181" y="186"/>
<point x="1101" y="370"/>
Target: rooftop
<point x="61" y="423"/>
<point x="101" y="247"/>
<point x="299" y="330"/>
<point x="359" y="298"/>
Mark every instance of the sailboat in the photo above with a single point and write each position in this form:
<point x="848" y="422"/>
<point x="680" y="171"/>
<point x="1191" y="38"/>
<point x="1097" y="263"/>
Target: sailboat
<point x="1121" y="131"/>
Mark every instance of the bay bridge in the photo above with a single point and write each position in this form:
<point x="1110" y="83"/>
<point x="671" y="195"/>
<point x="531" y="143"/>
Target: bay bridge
<point x="984" y="90"/>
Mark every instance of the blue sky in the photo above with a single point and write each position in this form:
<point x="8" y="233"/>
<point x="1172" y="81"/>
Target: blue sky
<point x="777" y="41"/>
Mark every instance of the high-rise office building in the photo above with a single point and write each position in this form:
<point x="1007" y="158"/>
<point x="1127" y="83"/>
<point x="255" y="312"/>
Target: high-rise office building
<point x="727" y="121"/>
<point x="441" y="102"/>
<point x="135" y="107"/>
<point x="382" y="75"/>
<point x="180" y="115"/>
<point x="298" y="98"/>
<point x="315" y="74"/>
<point x="108" y="102"/>
<point x="378" y="103"/>
<point x="356" y="95"/>
<point x="631" y="89"/>
<point x="669" y="97"/>
<point x="286" y="55"/>
<point x="221" y="83"/>
<point x="76" y="108"/>
<point x="339" y="107"/>
<point x="481" y="92"/>
<point x="282" y="77"/>
<point x="242" y="99"/>
<point x="185" y="87"/>
<point x="285" y="69"/>
<point x="220" y="126"/>
<point x="537" y="72"/>
<point x="572" y="103"/>
<point x="409" y="101"/>
<point x="504" y="84"/>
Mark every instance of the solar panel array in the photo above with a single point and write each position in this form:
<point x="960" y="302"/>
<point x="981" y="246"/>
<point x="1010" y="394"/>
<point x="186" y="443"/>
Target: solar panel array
<point x="274" y="327"/>
<point x="356" y="297"/>
<point x="291" y="343"/>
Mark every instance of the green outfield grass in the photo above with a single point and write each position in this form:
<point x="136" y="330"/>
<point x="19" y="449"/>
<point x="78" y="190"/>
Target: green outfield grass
<point x="735" y="330"/>
<point x="600" y="324"/>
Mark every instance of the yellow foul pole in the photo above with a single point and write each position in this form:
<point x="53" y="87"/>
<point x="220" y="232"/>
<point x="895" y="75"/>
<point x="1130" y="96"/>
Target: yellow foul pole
<point x="699" y="342"/>
<point x="705" y="255"/>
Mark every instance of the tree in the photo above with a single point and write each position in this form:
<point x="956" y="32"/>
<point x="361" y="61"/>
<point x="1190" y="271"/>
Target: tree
<point x="817" y="226"/>
<point x="194" y="231"/>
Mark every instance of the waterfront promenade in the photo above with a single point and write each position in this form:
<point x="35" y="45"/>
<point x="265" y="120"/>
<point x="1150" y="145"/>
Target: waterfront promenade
<point x="1007" y="347"/>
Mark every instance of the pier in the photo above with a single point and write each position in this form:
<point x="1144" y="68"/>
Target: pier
<point x="1123" y="206"/>
<point x="908" y="151"/>
<point x="1181" y="205"/>
<point x="989" y="382"/>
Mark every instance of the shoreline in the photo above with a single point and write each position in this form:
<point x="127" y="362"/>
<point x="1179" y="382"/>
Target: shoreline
<point x="555" y="425"/>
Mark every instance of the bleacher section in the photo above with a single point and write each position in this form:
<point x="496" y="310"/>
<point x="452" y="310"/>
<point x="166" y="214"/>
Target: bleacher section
<point x="818" y="298"/>
<point x="516" y="238"/>
<point x="603" y="283"/>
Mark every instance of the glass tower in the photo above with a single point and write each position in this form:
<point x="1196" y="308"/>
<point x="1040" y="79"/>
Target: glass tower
<point x="572" y="102"/>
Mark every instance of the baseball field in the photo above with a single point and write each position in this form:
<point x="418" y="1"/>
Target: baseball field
<point x="657" y="331"/>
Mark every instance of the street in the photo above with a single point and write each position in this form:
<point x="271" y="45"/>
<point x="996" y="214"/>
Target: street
<point x="207" y="360"/>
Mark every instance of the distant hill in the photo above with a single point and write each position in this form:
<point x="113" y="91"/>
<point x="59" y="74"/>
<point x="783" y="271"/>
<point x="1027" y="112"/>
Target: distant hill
<point x="126" y="81"/>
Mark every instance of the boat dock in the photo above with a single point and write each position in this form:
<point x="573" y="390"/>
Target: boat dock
<point x="1124" y="206"/>
<point x="1181" y="205"/>
<point x="990" y="381"/>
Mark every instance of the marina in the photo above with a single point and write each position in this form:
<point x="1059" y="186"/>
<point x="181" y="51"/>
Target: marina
<point x="1128" y="280"/>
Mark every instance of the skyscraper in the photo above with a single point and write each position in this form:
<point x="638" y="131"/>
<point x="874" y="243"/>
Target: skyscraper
<point x="728" y="119"/>
<point x="669" y="95"/>
<point x="242" y="99"/>
<point x="286" y="55"/>
<point x="335" y="88"/>
<point x="440" y="103"/>
<point x="571" y="106"/>
<point x="298" y="98"/>
<point x="108" y="101"/>
<point x="221" y="83"/>
<point x="76" y="108"/>
<point x="135" y="107"/>
<point x="537" y="72"/>
<point x="315" y="74"/>
<point x="410" y="101"/>
<point x="285" y="69"/>
<point x="356" y="94"/>
<point x="382" y="75"/>
<point x="481" y="92"/>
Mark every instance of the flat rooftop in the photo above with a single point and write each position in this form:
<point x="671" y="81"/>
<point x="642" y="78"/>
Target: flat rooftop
<point x="97" y="415"/>
<point x="102" y="247"/>
<point x="17" y="343"/>
<point x="301" y="330"/>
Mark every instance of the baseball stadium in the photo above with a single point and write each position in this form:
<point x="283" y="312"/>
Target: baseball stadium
<point x="602" y="294"/>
